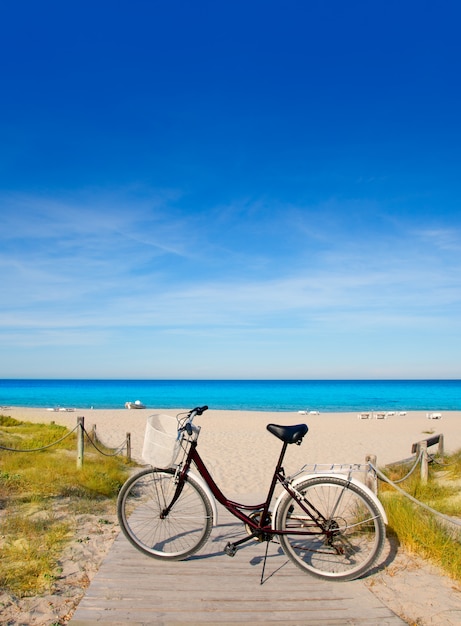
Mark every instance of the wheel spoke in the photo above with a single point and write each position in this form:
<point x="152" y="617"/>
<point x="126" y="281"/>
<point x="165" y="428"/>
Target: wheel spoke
<point x="347" y="529"/>
<point x="176" y="535"/>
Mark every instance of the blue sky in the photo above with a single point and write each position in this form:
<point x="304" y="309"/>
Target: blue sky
<point x="230" y="189"/>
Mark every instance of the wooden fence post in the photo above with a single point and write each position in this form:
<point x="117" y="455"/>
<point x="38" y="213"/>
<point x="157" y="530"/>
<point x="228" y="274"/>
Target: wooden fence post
<point x="371" y="478"/>
<point x="80" y="446"/>
<point x="424" y="461"/>
<point x="441" y="449"/>
<point x="128" y="446"/>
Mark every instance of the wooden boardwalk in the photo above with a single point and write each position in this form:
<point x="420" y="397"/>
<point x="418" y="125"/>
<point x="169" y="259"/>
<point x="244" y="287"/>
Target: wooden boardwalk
<point x="212" y="588"/>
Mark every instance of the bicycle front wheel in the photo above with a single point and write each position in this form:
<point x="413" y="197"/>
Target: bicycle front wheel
<point x="178" y="534"/>
<point x="336" y="531"/>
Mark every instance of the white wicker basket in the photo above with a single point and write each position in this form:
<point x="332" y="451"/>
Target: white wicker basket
<point x="161" y="443"/>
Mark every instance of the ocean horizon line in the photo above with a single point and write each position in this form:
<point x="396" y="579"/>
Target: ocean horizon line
<point x="206" y="379"/>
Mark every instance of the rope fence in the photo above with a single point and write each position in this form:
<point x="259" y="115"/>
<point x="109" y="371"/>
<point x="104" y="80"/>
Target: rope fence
<point x="423" y="458"/>
<point x="83" y="434"/>
<point x="415" y="465"/>
<point x="54" y="443"/>
<point x="91" y="440"/>
<point x="384" y="478"/>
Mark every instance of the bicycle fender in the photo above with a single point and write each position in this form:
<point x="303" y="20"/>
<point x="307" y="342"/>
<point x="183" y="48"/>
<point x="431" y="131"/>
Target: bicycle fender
<point x="198" y="479"/>
<point x="356" y="482"/>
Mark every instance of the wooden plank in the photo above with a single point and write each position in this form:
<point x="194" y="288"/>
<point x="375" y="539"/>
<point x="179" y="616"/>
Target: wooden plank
<point x="210" y="588"/>
<point x="431" y="441"/>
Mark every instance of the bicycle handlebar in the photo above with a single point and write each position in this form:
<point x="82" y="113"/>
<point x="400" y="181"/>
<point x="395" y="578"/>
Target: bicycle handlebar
<point x="190" y="418"/>
<point x="198" y="410"/>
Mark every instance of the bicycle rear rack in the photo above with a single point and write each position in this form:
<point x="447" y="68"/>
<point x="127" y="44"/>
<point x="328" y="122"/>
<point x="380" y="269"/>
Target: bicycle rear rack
<point x="359" y="470"/>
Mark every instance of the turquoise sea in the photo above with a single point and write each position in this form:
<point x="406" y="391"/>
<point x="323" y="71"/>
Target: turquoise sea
<point x="249" y="395"/>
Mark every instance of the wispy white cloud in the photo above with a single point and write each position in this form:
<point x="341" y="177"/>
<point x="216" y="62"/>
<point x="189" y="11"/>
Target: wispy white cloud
<point x="89" y="274"/>
<point x="93" y="220"/>
<point x="292" y="300"/>
<point x="448" y="239"/>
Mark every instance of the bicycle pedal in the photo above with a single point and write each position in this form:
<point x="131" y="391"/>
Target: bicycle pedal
<point x="230" y="549"/>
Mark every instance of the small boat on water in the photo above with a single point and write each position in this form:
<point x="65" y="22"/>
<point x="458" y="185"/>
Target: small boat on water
<point x="137" y="404"/>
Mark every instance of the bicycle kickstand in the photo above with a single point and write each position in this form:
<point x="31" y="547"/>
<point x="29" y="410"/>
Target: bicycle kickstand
<point x="231" y="549"/>
<point x="264" y="564"/>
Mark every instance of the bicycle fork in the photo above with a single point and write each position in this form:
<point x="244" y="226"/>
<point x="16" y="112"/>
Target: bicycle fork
<point x="179" y="487"/>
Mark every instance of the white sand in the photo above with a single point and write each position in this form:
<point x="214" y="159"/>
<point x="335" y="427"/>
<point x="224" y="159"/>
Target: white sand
<point x="241" y="455"/>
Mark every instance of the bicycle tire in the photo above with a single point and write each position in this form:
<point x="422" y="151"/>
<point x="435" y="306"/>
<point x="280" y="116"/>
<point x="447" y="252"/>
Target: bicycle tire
<point x="354" y="535"/>
<point x="182" y="532"/>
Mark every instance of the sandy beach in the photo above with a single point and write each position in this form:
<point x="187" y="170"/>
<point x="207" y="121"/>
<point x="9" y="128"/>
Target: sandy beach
<point x="241" y="454"/>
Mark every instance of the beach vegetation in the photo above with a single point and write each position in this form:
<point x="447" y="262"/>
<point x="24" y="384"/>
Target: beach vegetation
<point x="41" y="493"/>
<point x="422" y="532"/>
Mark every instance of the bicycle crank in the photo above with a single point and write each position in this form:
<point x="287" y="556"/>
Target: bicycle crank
<point x="231" y="548"/>
<point x="253" y="533"/>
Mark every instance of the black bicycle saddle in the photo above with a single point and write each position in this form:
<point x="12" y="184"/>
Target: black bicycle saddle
<point x="288" y="434"/>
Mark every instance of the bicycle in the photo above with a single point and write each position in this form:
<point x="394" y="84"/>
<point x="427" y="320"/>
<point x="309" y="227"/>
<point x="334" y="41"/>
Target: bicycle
<point x="329" y="525"/>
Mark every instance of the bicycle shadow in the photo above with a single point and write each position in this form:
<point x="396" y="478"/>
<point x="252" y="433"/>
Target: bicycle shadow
<point x="221" y="534"/>
<point x="231" y="531"/>
<point x="388" y="556"/>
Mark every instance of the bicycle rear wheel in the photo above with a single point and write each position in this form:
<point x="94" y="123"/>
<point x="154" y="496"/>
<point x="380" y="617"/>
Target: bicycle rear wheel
<point x="176" y="536"/>
<point x="344" y="533"/>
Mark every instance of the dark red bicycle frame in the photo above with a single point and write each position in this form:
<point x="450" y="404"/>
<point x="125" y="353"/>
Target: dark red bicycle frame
<point x="236" y="508"/>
